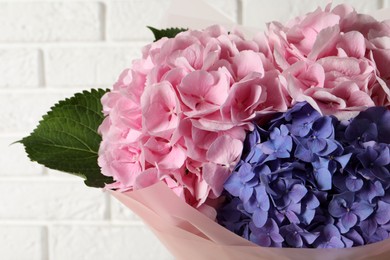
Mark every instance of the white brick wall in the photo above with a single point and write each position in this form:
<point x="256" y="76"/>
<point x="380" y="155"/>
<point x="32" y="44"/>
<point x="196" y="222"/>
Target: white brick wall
<point x="48" y="50"/>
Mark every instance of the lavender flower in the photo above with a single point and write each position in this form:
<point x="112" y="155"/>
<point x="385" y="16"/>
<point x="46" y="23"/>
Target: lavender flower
<point x="330" y="237"/>
<point x="349" y="210"/>
<point x="306" y="180"/>
<point x="268" y="235"/>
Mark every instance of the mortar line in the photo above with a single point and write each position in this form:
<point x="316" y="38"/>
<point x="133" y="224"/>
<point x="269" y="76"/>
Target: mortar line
<point x="42" y="69"/>
<point x="240" y="11"/>
<point x="45" y="244"/>
<point x="103" y="22"/>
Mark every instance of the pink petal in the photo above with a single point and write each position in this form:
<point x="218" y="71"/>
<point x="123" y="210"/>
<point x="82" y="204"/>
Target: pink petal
<point x="325" y="43"/>
<point x="247" y="62"/>
<point x="146" y="178"/>
<point x="215" y="175"/>
<point x="160" y="108"/>
<point x="225" y="151"/>
<point x="204" y="92"/>
<point x="353" y="43"/>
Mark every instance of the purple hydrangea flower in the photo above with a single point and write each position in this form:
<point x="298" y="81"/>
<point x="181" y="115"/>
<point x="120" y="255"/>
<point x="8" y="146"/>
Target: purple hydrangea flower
<point x="372" y="124"/>
<point x="330" y="237"/>
<point x="268" y="235"/>
<point x="279" y="144"/>
<point x="313" y="180"/>
<point x="258" y="206"/>
<point x="297" y="237"/>
<point x="242" y="184"/>
<point x="348" y="210"/>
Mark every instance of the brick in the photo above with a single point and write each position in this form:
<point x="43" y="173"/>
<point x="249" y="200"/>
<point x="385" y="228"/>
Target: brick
<point x="14" y="160"/>
<point x="105" y="242"/>
<point x="22" y="242"/>
<point x="258" y="12"/>
<point x="51" y="200"/>
<point x="127" y="20"/>
<point x="90" y="66"/>
<point x="50" y="21"/>
<point x="21" y="110"/>
<point x="20" y="67"/>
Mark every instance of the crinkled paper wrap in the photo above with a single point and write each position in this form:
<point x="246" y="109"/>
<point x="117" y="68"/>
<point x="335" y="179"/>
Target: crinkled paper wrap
<point x="188" y="234"/>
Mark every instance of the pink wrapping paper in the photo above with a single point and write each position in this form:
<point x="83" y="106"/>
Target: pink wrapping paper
<point x="188" y="234"/>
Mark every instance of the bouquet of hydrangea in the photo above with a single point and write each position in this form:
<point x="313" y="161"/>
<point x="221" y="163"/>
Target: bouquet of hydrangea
<point x="227" y="146"/>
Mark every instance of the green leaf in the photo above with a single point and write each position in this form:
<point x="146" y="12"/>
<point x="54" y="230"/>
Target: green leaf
<point x="169" y="32"/>
<point x="66" y="139"/>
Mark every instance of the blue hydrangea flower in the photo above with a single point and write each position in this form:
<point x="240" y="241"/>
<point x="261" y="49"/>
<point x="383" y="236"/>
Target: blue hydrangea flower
<point x="297" y="237"/>
<point x="349" y="210"/>
<point x="306" y="180"/>
<point x="330" y="237"/>
<point x="268" y="235"/>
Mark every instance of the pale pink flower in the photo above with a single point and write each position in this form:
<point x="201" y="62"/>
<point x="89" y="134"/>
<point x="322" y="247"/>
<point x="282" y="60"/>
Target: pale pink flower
<point x="185" y="108"/>
<point x="335" y="59"/>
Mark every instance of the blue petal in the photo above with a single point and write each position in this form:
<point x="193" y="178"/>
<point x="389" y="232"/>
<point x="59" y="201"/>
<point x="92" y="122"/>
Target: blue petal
<point x="336" y="207"/>
<point x="260" y="218"/>
<point x="262" y="197"/>
<point x="233" y="185"/>
<point x="384" y="157"/>
<point x="323" y="127"/>
<point x="369" y="227"/>
<point x="246" y="193"/>
<point x="245" y="172"/>
<point x="343" y="160"/>
<point x="353" y="183"/>
<point x="294" y="240"/>
<point x="347" y="242"/>
<point x="276" y="237"/>
<point x="355" y="237"/>
<point x="304" y="154"/>
<point x="261" y="239"/>
<point x="316" y="144"/>
<point x="297" y="192"/>
<point x="335" y="243"/>
<point x="349" y="220"/>
<point x="309" y="237"/>
<point x="323" y="178"/>
<point x="382" y="215"/>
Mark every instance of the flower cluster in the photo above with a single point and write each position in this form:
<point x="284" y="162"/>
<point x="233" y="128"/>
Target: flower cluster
<point x="181" y="113"/>
<point x="307" y="180"/>
<point x="334" y="59"/>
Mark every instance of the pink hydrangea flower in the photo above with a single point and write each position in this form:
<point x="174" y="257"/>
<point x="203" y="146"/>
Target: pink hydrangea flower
<point x="337" y="60"/>
<point x="181" y="112"/>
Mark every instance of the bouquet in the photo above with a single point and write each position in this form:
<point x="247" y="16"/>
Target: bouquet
<point x="234" y="148"/>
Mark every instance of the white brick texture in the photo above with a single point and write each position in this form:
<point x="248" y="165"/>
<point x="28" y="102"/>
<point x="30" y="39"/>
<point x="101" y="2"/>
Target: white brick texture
<point x="88" y="67"/>
<point x="50" y="21"/>
<point x="22" y="242"/>
<point x="20" y="67"/>
<point x="16" y="163"/>
<point x="51" y="200"/>
<point x="130" y="242"/>
<point x="50" y="49"/>
<point x="22" y="110"/>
